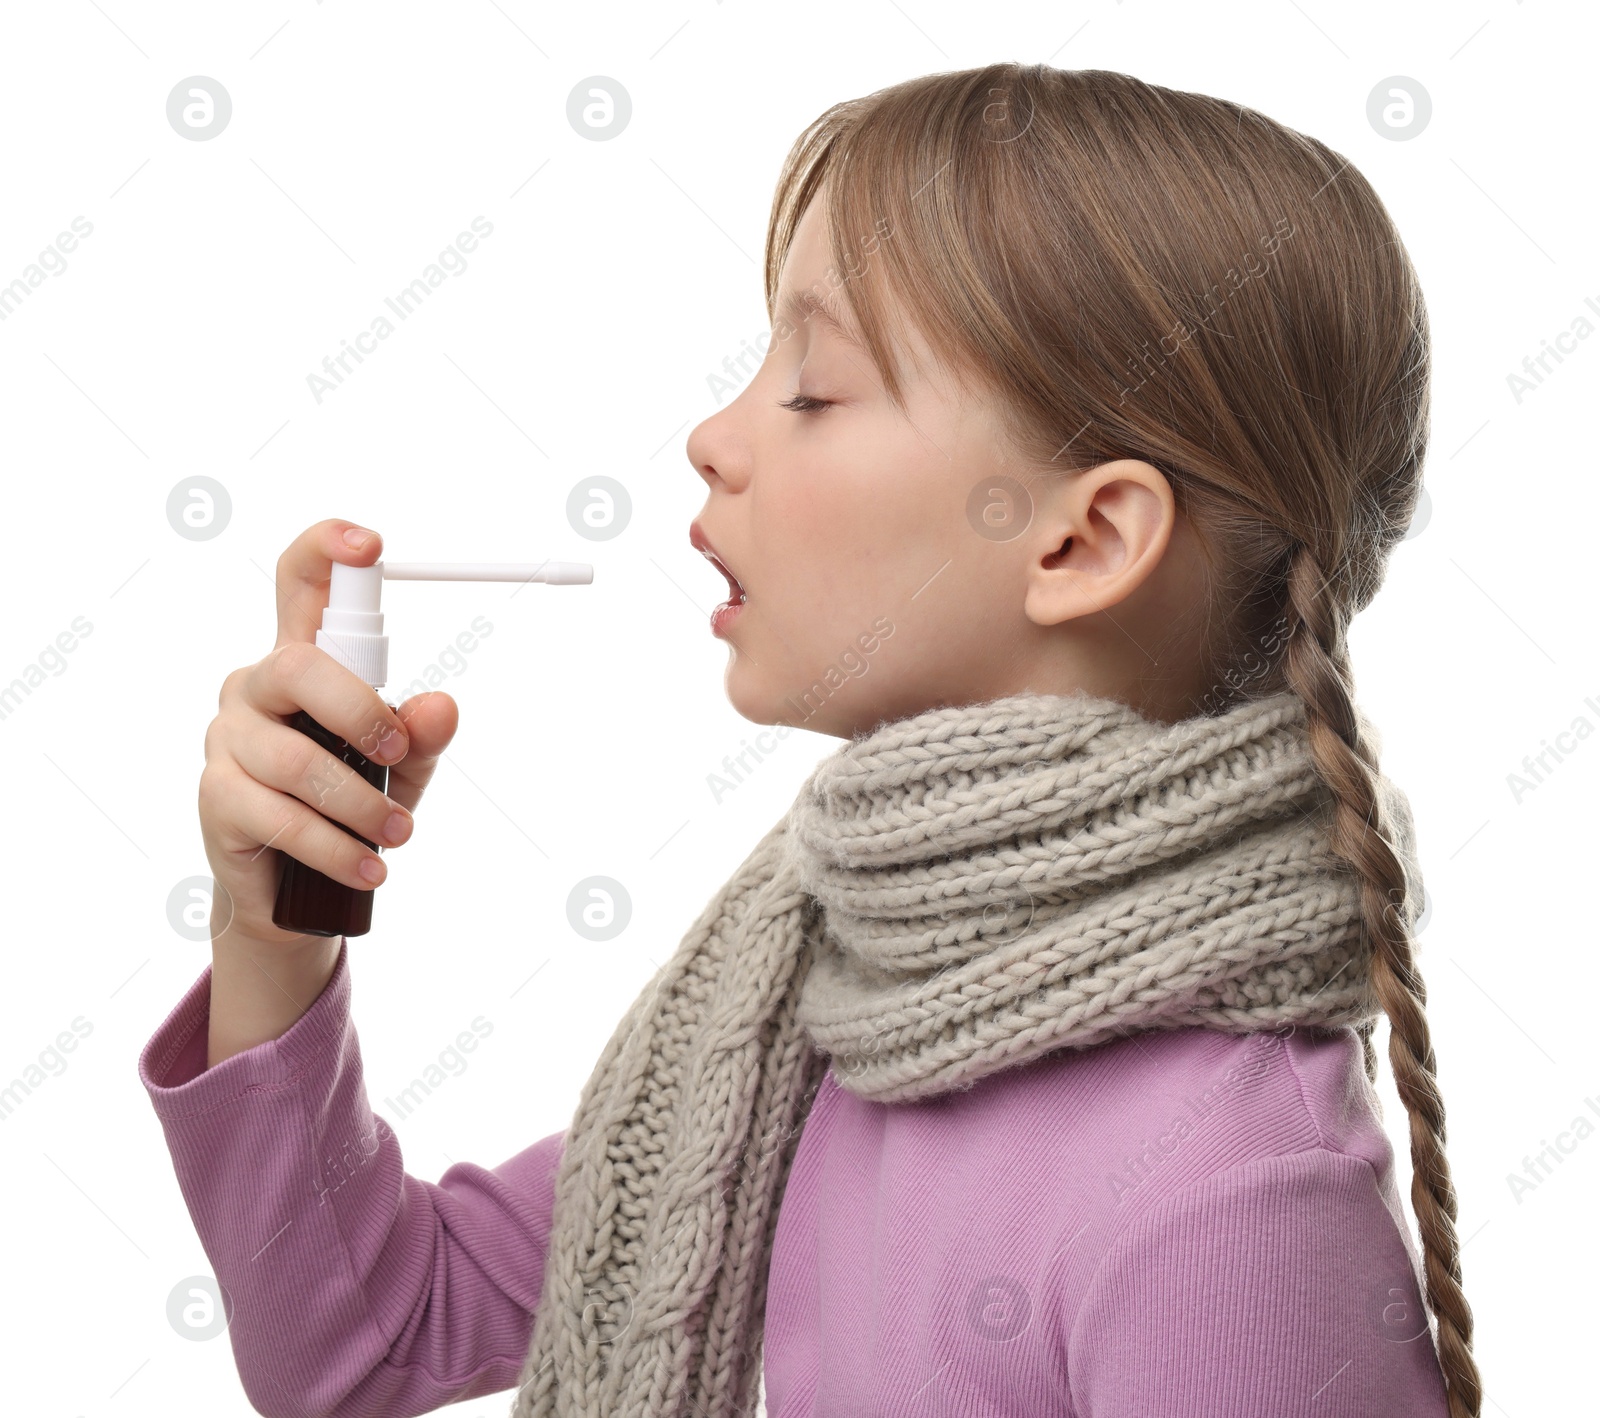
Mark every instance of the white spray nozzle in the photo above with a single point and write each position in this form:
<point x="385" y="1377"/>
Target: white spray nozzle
<point x="352" y="624"/>
<point x="552" y="573"/>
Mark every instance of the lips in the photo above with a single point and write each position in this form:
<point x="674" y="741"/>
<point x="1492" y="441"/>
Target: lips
<point x="701" y="543"/>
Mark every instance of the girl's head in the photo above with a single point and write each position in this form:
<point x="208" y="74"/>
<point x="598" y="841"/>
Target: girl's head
<point x="1125" y="390"/>
<point x="1122" y="359"/>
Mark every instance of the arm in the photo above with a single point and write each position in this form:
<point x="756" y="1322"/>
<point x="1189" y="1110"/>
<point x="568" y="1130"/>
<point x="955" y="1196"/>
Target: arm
<point x="355" y="1288"/>
<point x="1282" y="1286"/>
<point x="256" y="995"/>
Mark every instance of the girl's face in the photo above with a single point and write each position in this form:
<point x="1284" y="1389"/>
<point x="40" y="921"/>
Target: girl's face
<point x="880" y="574"/>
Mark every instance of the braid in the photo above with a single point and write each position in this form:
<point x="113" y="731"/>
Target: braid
<point x="1317" y="668"/>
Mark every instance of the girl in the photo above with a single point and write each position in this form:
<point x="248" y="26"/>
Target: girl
<point x="1024" y="1067"/>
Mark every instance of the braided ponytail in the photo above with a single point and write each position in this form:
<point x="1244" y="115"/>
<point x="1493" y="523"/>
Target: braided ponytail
<point x="1317" y="668"/>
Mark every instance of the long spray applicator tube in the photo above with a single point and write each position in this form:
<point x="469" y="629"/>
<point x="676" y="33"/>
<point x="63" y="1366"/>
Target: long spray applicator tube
<point x="308" y="902"/>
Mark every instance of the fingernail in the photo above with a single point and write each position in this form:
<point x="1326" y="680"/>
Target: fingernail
<point x="356" y="537"/>
<point x="392" y="744"/>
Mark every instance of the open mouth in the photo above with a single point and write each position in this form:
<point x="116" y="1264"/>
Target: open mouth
<point x="697" y="539"/>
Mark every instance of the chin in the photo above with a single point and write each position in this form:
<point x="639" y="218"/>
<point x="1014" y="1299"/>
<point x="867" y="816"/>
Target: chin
<point x="755" y="698"/>
<point x="750" y="698"/>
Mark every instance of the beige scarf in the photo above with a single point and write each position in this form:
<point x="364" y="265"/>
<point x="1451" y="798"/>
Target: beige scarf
<point x="950" y="894"/>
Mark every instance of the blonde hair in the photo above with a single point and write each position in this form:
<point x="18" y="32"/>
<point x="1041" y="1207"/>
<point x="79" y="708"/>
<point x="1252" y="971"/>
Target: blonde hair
<point x="1134" y="271"/>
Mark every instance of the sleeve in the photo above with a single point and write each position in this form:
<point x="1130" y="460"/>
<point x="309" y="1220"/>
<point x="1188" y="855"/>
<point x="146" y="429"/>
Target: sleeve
<point x="1282" y="1286"/>
<point x="352" y="1288"/>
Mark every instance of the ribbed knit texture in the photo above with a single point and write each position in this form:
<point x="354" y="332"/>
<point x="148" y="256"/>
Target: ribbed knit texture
<point x="951" y="895"/>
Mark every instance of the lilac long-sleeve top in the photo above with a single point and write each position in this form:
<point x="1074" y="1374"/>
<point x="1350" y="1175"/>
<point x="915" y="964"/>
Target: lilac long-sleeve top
<point x="1174" y="1224"/>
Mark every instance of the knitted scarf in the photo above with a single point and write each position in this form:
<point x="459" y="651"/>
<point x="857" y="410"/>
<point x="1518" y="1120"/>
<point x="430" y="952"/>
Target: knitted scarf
<point x="951" y="894"/>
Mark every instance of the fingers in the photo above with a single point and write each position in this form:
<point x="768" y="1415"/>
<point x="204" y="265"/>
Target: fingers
<point x="431" y="720"/>
<point x="292" y="763"/>
<point x="306" y="565"/>
<point x="249" y="817"/>
<point x="301" y="676"/>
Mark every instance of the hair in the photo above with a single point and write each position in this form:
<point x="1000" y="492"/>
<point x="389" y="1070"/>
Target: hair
<point x="1051" y="233"/>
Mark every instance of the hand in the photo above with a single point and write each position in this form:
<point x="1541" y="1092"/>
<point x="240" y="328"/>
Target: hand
<point x="268" y="788"/>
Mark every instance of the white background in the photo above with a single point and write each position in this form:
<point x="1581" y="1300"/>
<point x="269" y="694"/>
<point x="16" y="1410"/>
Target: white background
<point x="619" y="274"/>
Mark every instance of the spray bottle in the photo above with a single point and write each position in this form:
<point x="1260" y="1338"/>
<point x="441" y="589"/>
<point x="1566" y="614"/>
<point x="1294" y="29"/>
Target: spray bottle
<point x="309" y="902"/>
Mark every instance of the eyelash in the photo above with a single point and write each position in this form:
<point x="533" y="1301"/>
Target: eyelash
<point x="803" y="404"/>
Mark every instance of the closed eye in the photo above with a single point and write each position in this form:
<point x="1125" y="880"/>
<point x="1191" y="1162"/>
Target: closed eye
<point x="803" y="404"/>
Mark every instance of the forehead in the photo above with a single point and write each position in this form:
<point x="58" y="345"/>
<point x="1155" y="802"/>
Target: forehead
<point x="810" y="280"/>
<point x="799" y="304"/>
<point x="811" y="284"/>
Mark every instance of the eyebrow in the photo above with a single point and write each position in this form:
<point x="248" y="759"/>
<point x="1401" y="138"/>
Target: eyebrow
<point x="803" y="303"/>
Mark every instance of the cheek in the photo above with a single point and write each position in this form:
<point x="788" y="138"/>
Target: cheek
<point x="855" y="517"/>
<point x="849" y="541"/>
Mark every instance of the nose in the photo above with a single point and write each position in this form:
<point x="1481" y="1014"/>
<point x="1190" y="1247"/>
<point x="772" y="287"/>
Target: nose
<point x="719" y="449"/>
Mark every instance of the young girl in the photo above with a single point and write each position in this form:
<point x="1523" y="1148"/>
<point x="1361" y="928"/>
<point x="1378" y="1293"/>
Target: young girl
<point x="1024" y="1067"/>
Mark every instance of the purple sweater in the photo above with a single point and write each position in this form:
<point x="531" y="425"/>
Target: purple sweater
<point x="1175" y="1224"/>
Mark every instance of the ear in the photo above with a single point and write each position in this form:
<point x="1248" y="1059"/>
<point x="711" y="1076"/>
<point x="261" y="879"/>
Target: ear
<point x="1097" y="539"/>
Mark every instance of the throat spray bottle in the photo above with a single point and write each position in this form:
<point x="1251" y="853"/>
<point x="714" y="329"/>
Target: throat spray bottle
<point x="309" y="902"/>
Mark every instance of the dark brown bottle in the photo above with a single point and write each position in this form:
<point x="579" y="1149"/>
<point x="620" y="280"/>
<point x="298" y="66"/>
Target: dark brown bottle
<point x="308" y="902"/>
